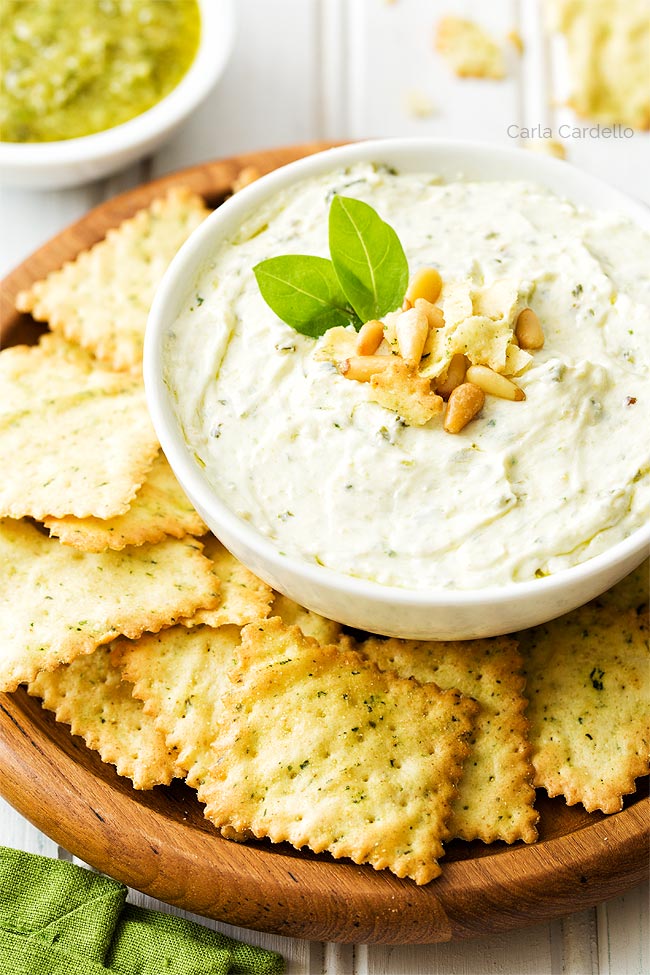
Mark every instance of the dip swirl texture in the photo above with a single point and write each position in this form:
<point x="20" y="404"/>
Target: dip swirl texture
<point x="526" y="489"/>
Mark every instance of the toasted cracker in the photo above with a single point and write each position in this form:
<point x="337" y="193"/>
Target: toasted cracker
<point x="160" y="508"/>
<point x="495" y="796"/>
<point x="75" y="439"/>
<point x="65" y="364"/>
<point x="589" y="686"/>
<point x="312" y="624"/>
<point x="180" y="675"/>
<point x="102" y="298"/>
<point x="632" y="592"/>
<point x="57" y="603"/>
<point x="469" y="49"/>
<point x="244" y="597"/>
<point x="401" y="389"/>
<point x="244" y="178"/>
<point x="318" y="747"/>
<point x="607" y="46"/>
<point x="336" y="344"/>
<point x="91" y="697"/>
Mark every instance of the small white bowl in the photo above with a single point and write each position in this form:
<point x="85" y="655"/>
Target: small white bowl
<point x="432" y="615"/>
<point x="51" y="165"/>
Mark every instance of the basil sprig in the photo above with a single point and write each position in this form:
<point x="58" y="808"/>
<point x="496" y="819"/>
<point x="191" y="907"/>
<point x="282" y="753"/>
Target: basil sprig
<point x="305" y="293"/>
<point x="366" y="277"/>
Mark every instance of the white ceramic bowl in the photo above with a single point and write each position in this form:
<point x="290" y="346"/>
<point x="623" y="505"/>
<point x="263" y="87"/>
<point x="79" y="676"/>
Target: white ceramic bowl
<point x="51" y="165"/>
<point x="436" y="614"/>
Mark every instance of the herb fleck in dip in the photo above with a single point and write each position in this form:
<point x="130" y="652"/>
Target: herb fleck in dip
<point x="70" y="69"/>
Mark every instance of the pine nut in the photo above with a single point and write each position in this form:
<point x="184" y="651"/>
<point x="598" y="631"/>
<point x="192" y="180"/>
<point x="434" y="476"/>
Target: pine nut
<point x="455" y="375"/>
<point x="370" y="337"/>
<point x="406" y="304"/>
<point x="425" y="283"/>
<point x="464" y="403"/>
<point x="528" y="330"/>
<point x="363" y="367"/>
<point x="494" y="383"/>
<point x="434" y="314"/>
<point x="411" y="331"/>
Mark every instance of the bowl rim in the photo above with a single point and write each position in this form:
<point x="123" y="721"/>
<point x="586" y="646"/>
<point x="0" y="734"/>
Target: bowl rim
<point x="217" y="23"/>
<point x="191" y="257"/>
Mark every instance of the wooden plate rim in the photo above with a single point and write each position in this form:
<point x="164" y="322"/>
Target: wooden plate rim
<point x="86" y="808"/>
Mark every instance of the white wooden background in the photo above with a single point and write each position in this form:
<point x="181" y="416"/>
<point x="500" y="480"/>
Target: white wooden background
<point x="346" y="69"/>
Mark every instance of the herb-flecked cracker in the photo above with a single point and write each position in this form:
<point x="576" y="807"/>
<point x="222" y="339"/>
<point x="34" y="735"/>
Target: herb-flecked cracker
<point x="318" y="747"/>
<point x="244" y="597"/>
<point x="90" y="695"/>
<point x="102" y="298"/>
<point x="160" y="508"/>
<point x="495" y="795"/>
<point x="180" y="676"/>
<point x="632" y="592"/>
<point x="74" y="439"/>
<point x="57" y="603"/>
<point x="312" y="624"/>
<point x="589" y="686"/>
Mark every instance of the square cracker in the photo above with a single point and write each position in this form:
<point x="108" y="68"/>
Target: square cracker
<point x="180" y="675"/>
<point x="318" y="747"/>
<point x="102" y="298"/>
<point x="495" y="795"/>
<point x="589" y="686"/>
<point x="90" y="695"/>
<point x="57" y="603"/>
<point x="160" y="508"/>
<point x="244" y="597"/>
<point x="75" y="439"/>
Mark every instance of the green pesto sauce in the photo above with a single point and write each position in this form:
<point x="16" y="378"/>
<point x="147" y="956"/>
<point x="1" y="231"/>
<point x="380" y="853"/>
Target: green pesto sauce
<point x="69" y="69"/>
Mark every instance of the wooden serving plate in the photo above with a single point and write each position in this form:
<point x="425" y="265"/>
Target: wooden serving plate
<point x="159" y="841"/>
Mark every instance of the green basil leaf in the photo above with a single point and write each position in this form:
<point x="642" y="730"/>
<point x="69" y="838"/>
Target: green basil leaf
<point x="305" y="293"/>
<point x="368" y="258"/>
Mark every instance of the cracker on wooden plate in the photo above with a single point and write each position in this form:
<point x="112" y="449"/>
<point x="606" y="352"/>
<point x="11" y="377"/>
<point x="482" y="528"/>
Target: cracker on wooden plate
<point x="632" y="592"/>
<point x="102" y="298"/>
<point x="244" y="597"/>
<point x="180" y="675"/>
<point x="160" y="508"/>
<point x="495" y="795"/>
<point x="90" y="695"/>
<point x="589" y="685"/>
<point x="65" y="363"/>
<point x="312" y="624"/>
<point x="74" y="439"/>
<point x="57" y="603"/>
<point x="318" y="747"/>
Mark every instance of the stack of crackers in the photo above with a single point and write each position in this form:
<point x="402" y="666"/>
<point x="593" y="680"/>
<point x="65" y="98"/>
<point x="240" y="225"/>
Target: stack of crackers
<point x="168" y="657"/>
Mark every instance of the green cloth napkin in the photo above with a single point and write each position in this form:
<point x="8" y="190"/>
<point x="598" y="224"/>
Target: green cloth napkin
<point x="59" y="919"/>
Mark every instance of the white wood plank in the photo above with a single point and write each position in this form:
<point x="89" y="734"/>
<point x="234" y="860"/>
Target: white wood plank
<point x="268" y="94"/>
<point x="338" y="959"/>
<point x="391" y="53"/>
<point x="29" y="218"/>
<point x="578" y="944"/>
<point x="17" y="833"/>
<point x="624" y="934"/>
<point x="523" y="952"/>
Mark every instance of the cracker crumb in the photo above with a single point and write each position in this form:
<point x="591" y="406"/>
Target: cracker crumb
<point x="469" y="49"/>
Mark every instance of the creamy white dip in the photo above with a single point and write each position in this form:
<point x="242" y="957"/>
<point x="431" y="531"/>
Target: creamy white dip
<point x="525" y="489"/>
